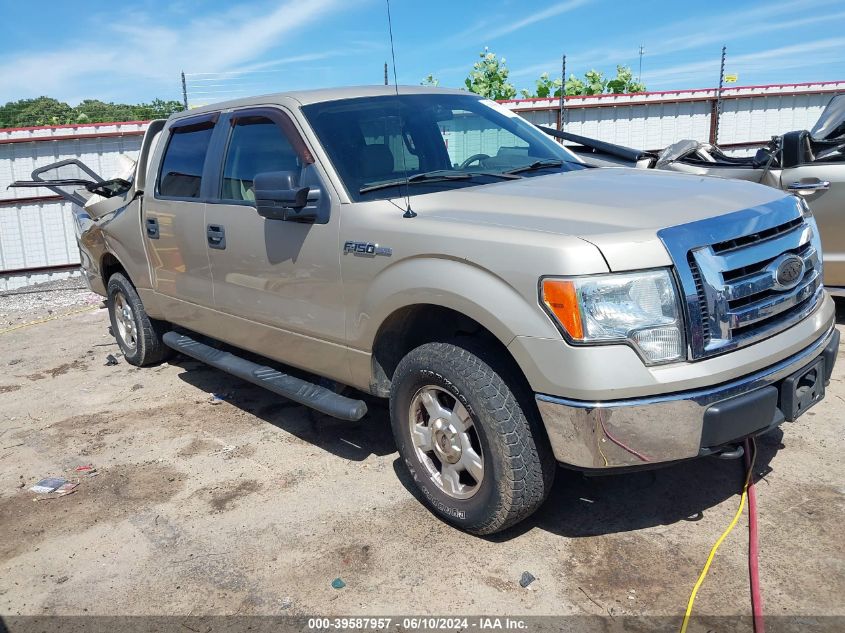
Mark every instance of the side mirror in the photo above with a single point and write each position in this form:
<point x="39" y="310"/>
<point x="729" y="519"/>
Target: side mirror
<point x="279" y="197"/>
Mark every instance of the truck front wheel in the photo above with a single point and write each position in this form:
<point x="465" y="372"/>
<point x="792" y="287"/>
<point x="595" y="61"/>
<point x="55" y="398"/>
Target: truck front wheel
<point x="138" y="336"/>
<point x="466" y="439"/>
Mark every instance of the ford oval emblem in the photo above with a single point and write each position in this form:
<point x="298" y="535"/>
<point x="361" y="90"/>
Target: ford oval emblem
<point x="787" y="272"/>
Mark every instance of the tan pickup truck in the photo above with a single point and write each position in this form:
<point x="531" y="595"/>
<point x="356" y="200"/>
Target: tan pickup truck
<point x="518" y="308"/>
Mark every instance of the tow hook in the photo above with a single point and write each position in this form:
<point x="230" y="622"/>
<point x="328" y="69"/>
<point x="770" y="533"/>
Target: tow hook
<point x="729" y="452"/>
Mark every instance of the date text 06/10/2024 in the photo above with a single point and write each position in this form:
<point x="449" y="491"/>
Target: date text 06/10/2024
<point x="419" y="623"/>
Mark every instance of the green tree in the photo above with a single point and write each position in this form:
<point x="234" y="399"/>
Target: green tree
<point x="38" y="111"/>
<point x="574" y="86"/>
<point x="49" y="111"/>
<point x="158" y="109"/>
<point x="545" y="87"/>
<point x="489" y="77"/>
<point x="624" y="82"/>
<point x="430" y="80"/>
<point x="96" y="111"/>
<point x="593" y="83"/>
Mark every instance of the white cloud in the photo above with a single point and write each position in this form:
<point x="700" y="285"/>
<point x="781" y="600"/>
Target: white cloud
<point x="489" y="28"/>
<point x="694" y="33"/>
<point x="555" y="9"/>
<point x="804" y="55"/>
<point x="138" y="49"/>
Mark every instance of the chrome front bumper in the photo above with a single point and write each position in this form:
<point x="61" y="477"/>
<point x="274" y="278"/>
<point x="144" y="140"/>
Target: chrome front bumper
<point x="662" y="428"/>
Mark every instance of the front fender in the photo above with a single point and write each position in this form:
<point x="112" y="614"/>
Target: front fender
<point x="450" y="283"/>
<point x="124" y="239"/>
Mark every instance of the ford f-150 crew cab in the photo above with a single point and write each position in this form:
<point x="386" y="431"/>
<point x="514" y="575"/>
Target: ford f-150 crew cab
<point x="518" y="308"/>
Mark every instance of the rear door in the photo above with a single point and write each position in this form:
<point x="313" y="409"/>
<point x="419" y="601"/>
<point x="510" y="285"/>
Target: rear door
<point x="174" y="219"/>
<point x="828" y="205"/>
<point x="278" y="282"/>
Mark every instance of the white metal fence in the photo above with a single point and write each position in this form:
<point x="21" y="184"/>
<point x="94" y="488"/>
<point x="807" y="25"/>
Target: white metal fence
<point x="751" y="115"/>
<point x="37" y="240"/>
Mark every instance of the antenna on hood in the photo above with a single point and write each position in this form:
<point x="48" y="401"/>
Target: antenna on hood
<point x="409" y="213"/>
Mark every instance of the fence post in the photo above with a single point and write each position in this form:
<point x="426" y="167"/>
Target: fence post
<point x="184" y="91"/>
<point x="717" y="109"/>
<point x="560" y="117"/>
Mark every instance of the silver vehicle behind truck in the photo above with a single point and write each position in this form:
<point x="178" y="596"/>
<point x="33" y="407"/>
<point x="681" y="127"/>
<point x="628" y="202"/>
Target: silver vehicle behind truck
<point x="518" y="308"/>
<point x="807" y="163"/>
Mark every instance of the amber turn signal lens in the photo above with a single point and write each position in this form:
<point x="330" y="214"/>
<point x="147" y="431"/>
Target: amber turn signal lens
<point x="559" y="295"/>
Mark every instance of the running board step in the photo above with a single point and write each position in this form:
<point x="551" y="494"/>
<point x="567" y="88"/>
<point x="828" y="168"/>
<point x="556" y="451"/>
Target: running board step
<point x="292" y="388"/>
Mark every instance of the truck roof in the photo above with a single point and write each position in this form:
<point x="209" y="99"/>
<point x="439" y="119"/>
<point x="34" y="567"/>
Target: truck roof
<point x="305" y="97"/>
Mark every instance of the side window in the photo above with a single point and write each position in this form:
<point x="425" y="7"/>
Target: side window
<point x="184" y="159"/>
<point x="257" y="145"/>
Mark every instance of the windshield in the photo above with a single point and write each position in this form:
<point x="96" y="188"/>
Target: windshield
<point x="430" y="142"/>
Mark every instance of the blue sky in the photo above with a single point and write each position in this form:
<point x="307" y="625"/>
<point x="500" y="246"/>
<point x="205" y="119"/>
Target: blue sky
<point x="134" y="50"/>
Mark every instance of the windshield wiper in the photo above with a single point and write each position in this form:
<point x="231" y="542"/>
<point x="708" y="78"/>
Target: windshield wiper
<point x="539" y="164"/>
<point x="435" y="176"/>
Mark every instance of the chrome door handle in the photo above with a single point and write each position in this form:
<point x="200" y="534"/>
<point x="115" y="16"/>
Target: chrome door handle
<point x="809" y="187"/>
<point x="152" y="228"/>
<point x="216" y="236"/>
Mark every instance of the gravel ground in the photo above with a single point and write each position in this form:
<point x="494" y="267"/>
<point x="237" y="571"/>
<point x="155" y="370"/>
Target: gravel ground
<point x="254" y="506"/>
<point x="40" y="301"/>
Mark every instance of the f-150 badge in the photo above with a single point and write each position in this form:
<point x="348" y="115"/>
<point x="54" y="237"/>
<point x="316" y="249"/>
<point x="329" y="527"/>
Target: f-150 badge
<point x="366" y="249"/>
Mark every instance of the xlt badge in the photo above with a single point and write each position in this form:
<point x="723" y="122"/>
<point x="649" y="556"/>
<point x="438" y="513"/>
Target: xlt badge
<point x="366" y="248"/>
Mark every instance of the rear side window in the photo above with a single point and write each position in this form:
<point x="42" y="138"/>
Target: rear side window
<point x="184" y="159"/>
<point x="257" y="145"/>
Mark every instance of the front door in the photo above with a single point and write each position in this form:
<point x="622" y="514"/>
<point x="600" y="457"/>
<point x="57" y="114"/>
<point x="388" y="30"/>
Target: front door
<point x="278" y="281"/>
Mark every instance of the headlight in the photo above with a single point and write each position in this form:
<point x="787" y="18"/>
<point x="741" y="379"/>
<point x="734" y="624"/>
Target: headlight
<point x="637" y="308"/>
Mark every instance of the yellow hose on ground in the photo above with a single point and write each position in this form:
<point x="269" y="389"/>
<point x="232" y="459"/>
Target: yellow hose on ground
<point x="52" y="318"/>
<point x="718" y="543"/>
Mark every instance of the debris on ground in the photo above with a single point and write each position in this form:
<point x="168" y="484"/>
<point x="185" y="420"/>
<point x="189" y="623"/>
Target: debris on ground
<point x="526" y="579"/>
<point x="337" y="583"/>
<point x="111" y="360"/>
<point x="286" y="603"/>
<point x="227" y="450"/>
<point x="217" y="398"/>
<point x="87" y="470"/>
<point x="48" y="485"/>
<point x="31" y="302"/>
<point x="66" y="489"/>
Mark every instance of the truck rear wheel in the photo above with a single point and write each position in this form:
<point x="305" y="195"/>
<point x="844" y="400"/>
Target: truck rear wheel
<point x="466" y="440"/>
<point x="138" y="336"/>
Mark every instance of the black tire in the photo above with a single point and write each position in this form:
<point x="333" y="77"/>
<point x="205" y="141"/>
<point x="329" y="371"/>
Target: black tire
<point x="518" y="467"/>
<point x="141" y="345"/>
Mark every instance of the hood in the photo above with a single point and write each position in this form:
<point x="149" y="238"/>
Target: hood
<point x="619" y="210"/>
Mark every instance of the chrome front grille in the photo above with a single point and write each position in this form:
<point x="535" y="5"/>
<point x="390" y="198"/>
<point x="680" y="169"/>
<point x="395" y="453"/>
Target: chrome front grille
<point x="733" y="287"/>
<point x="702" y="298"/>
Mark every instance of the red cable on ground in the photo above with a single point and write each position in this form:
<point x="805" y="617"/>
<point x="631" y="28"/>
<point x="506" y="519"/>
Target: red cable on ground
<point x="753" y="547"/>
